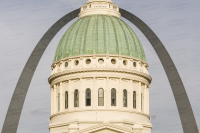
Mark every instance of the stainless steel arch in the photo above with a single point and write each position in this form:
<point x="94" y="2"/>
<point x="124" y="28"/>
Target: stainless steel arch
<point x="184" y="108"/>
<point x="19" y="95"/>
<point x="15" y="108"/>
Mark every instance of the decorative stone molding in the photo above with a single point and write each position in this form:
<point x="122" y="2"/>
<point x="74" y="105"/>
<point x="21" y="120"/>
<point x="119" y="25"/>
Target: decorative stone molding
<point x="83" y="110"/>
<point x="64" y="73"/>
<point x="99" y="7"/>
<point x="107" y="126"/>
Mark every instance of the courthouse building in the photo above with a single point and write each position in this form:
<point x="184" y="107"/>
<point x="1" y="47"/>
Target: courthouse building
<point x="99" y="81"/>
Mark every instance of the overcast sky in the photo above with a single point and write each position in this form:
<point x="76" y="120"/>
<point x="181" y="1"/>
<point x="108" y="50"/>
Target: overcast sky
<point x="24" y="22"/>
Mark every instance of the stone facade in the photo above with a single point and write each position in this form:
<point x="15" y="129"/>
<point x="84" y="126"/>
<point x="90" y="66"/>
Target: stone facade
<point x="99" y="93"/>
<point x="94" y="72"/>
<point x="105" y="7"/>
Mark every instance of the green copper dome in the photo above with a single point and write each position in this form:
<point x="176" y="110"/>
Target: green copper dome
<point x="99" y="34"/>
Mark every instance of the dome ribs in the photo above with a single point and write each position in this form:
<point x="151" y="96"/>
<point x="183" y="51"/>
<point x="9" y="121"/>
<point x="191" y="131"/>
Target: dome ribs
<point x="77" y="38"/>
<point x="72" y="37"/>
<point x="64" y="42"/>
<point x="115" y="37"/>
<point x="89" y="37"/>
<point x="136" y="51"/>
<point x="82" y="48"/>
<point x="124" y="28"/>
<point x="123" y="38"/>
<point x="79" y="35"/>
<point x="99" y="34"/>
<point x="107" y="36"/>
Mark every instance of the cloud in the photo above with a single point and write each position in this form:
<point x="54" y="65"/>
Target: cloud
<point x="39" y="112"/>
<point x="153" y="116"/>
<point x="72" y="1"/>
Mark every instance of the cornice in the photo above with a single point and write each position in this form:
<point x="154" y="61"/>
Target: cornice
<point x="125" y="71"/>
<point x="99" y="55"/>
<point x="83" y="110"/>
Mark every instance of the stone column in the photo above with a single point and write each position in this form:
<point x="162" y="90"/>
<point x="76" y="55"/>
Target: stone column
<point x="139" y="97"/>
<point x="106" y="94"/>
<point x="120" y="97"/>
<point x="55" y="101"/>
<point x="130" y="98"/>
<point x="70" y="96"/>
<point x="147" y="100"/>
<point x="95" y="95"/>
<point x="81" y="95"/>
<point x="61" y="97"/>
<point x="83" y="89"/>
<point x="52" y="101"/>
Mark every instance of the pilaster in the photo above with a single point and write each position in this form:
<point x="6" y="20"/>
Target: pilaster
<point x="95" y="93"/>
<point x="52" y="101"/>
<point x="139" y="97"/>
<point x="70" y="96"/>
<point x="107" y="100"/>
<point x="55" y="101"/>
<point x="120" y="94"/>
<point x="130" y="95"/>
<point x="147" y="100"/>
<point x="61" y="97"/>
<point x="81" y="95"/>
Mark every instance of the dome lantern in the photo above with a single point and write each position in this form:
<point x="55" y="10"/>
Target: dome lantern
<point x="106" y="7"/>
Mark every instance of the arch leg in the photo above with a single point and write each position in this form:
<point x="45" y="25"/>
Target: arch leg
<point x="184" y="108"/>
<point x="15" y="108"/>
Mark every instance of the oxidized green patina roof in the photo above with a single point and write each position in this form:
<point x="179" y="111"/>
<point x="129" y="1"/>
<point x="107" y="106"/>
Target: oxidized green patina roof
<point x="99" y="34"/>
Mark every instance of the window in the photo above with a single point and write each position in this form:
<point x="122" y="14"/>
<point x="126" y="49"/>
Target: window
<point x="66" y="64"/>
<point x="101" y="97"/>
<point x="113" y="97"/>
<point x="101" y="61"/>
<point x="90" y="5"/>
<point x="125" y="62"/>
<point x="134" y="99"/>
<point x="113" y="61"/>
<point x="76" y="98"/>
<point x="58" y="101"/>
<point x="88" y="61"/>
<point x="88" y="97"/>
<point x="134" y="64"/>
<point x="66" y="100"/>
<point x="124" y="98"/>
<point x="76" y="62"/>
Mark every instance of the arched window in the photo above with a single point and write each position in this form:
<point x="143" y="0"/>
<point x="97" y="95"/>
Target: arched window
<point x="76" y="98"/>
<point x="58" y="101"/>
<point x="124" y="98"/>
<point x="66" y="100"/>
<point x="88" y="97"/>
<point x="66" y="64"/>
<point x="134" y="64"/>
<point x="113" y="97"/>
<point x="101" y="97"/>
<point x="134" y="99"/>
